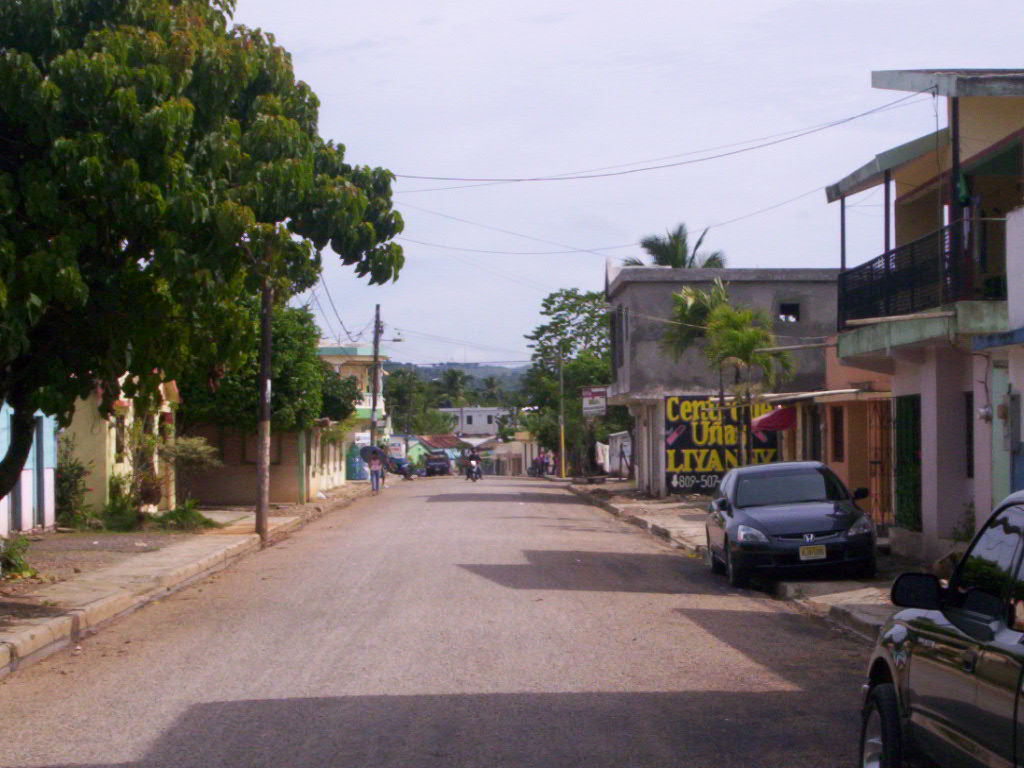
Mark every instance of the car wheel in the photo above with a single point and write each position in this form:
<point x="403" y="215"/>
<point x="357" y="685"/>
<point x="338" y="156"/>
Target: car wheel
<point x="881" y="743"/>
<point x="709" y="557"/>
<point x="736" y="575"/>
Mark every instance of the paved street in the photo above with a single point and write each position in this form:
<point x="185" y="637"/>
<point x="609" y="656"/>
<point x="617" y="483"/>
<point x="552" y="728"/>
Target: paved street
<point x="503" y="623"/>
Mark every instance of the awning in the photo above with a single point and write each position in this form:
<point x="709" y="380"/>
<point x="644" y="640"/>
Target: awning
<point x="774" y="421"/>
<point x="872" y="173"/>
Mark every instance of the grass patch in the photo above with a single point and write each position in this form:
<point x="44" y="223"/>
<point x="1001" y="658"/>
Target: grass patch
<point x="185" y="517"/>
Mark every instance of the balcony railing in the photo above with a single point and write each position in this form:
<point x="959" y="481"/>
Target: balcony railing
<point x="924" y="274"/>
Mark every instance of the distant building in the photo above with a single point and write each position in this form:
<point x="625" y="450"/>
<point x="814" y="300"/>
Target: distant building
<point x="477" y="420"/>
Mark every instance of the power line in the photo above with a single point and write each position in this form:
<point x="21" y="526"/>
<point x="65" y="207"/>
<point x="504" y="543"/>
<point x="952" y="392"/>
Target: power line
<point x="458" y="342"/>
<point x="515" y="253"/>
<point x="354" y="340"/>
<point x="597" y="175"/>
<point x="503" y="231"/>
<point x="326" y="319"/>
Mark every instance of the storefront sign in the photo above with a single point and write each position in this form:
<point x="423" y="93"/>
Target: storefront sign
<point x="703" y="441"/>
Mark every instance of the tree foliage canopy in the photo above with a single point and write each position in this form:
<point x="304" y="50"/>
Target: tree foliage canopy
<point x="576" y="322"/>
<point x="574" y="343"/>
<point x="155" y="165"/>
<point x="304" y="388"/>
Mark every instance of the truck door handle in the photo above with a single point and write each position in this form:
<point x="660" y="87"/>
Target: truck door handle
<point x="968" y="660"/>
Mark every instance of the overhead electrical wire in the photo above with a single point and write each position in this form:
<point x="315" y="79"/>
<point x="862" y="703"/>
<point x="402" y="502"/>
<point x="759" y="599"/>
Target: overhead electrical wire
<point x="354" y="340"/>
<point x="323" y="314"/>
<point x="780" y="138"/>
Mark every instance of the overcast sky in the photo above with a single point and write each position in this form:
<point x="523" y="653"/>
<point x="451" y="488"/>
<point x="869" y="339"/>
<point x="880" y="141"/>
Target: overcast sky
<point x="485" y="89"/>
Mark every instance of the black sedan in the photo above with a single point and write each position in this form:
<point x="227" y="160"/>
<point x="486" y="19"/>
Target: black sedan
<point x="769" y="519"/>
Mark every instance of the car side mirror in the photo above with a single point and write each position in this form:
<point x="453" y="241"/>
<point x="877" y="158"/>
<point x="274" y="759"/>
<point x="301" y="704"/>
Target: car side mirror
<point x="861" y="493"/>
<point x="917" y="590"/>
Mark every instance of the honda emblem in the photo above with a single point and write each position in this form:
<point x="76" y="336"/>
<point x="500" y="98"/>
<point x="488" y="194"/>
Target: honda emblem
<point x="808" y="538"/>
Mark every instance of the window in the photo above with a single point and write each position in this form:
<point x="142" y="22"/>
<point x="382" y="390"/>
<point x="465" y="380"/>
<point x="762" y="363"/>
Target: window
<point x="490" y="419"/>
<point x="969" y="434"/>
<point x="766" y="489"/>
<point x="981" y="581"/>
<point x="469" y="419"/>
<point x="789" y="312"/>
<point x="838" y="434"/>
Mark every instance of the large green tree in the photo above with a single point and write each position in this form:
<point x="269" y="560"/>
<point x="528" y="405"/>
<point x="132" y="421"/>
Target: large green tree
<point x="673" y="250"/>
<point x="304" y="388"/>
<point x="156" y="165"/>
<point x="572" y="344"/>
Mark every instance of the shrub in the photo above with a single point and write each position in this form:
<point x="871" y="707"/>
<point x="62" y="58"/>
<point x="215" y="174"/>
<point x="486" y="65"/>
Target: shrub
<point x="185" y="517"/>
<point x="121" y="512"/>
<point x="70" y="486"/>
<point x="12" y="559"/>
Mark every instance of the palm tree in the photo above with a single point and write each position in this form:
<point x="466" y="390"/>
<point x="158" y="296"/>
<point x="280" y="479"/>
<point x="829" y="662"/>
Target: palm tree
<point x="491" y="391"/>
<point x="690" y="311"/>
<point x="740" y="338"/>
<point x="674" y="251"/>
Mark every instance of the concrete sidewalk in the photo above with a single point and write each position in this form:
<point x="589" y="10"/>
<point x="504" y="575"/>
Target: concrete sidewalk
<point x="859" y="606"/>
<point x="74" y="608"/>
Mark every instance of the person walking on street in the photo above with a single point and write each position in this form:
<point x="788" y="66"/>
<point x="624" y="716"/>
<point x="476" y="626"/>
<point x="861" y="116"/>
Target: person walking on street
<point x="376" y="470"/>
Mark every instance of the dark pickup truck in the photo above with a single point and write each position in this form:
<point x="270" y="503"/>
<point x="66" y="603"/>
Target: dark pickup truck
<point x="945" y="679"/>
<point x="438" y="464"/>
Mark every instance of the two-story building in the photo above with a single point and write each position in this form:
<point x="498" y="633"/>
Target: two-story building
<point x="358" y="361"/>
<point x="476" y="420"/>
<point x="801" y="302"/>
<point x="912" y="311"/>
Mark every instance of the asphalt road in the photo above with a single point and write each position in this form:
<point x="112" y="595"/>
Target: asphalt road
<point x="447" y="624"/>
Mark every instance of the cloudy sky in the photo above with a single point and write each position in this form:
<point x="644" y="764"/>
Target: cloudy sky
<point x="487" y="89"/>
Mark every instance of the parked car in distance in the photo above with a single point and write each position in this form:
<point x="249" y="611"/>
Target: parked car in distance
<point x="438" y="464"/>
<point x="944" y="680"/>
<point x="770" y="519"/>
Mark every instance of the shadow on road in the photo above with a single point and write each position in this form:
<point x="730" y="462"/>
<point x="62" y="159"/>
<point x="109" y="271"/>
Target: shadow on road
<point x="696" y="729"/>
<point x="589" y="572"/>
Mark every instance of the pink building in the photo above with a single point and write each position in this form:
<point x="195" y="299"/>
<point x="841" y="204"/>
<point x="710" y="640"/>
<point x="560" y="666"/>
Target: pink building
<point x="913" y="311"/>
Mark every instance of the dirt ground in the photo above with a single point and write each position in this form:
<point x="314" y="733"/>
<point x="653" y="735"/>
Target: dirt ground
<point x="61" y="556"/>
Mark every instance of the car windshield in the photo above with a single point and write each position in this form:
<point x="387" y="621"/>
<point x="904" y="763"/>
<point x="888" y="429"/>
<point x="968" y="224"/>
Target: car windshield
<point x="788" y="487"/>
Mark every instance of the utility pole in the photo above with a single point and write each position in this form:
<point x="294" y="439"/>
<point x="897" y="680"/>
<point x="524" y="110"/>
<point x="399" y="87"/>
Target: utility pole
<point x="376" y="377"/>
<point x="561" y="411"/>
<point x="263" y="450"/>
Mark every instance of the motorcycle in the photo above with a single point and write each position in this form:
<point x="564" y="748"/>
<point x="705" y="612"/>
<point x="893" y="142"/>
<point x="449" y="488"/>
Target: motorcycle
<point x="474" y="472"/>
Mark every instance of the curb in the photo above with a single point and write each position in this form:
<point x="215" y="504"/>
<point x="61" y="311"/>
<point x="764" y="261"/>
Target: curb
<point x="36" y="639"/>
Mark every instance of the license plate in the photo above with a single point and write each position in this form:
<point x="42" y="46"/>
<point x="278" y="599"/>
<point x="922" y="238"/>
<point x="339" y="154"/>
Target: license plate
<point x="813" y="552"/>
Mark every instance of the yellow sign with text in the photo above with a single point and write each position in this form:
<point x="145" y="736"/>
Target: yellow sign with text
<point x="704" y="439"/>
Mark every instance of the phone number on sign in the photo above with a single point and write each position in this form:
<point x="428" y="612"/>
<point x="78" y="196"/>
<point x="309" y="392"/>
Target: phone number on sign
<point x="690" y="482"/>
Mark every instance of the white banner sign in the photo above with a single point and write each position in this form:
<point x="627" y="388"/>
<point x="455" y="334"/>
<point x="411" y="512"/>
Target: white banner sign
<point x="595" y="401"/>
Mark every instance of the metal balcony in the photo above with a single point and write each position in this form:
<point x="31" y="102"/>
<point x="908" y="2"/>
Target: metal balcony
<point x="924" y="274"/>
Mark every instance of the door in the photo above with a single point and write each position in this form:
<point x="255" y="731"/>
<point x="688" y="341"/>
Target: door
<point x="880" y="461"/>
<point x="908" y="462"/>
<point x="960" y="707"/>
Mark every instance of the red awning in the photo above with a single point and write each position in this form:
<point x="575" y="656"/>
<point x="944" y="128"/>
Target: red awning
<point x="775" y="421"/>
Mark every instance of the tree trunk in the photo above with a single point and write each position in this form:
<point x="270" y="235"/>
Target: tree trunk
<point x="23" y="428"/>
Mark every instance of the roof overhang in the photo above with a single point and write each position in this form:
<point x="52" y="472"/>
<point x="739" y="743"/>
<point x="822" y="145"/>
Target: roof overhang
<point x="952" y="82"/>
<point x="872" y="174"/>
